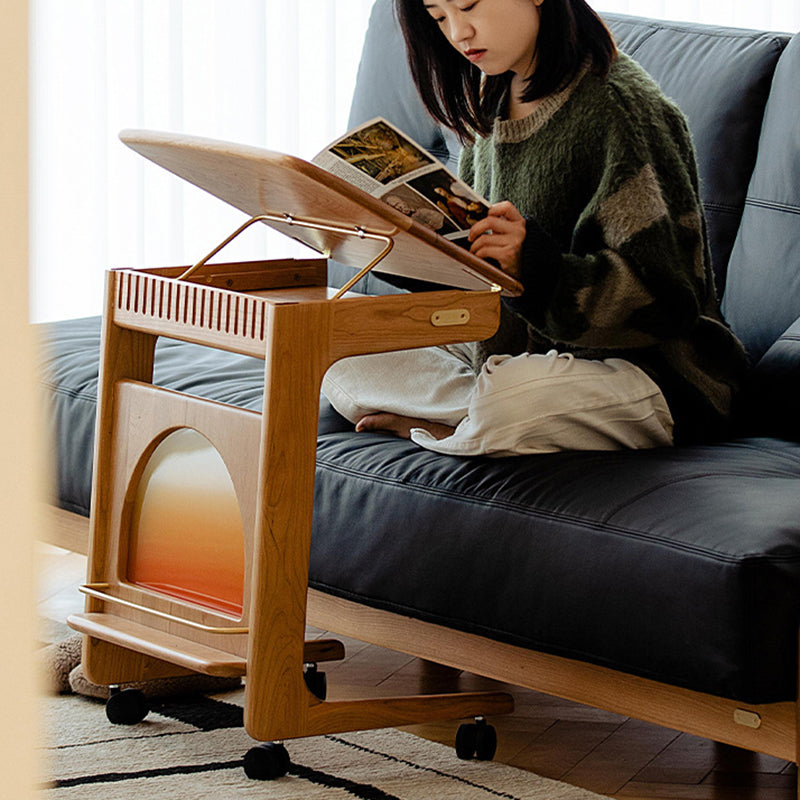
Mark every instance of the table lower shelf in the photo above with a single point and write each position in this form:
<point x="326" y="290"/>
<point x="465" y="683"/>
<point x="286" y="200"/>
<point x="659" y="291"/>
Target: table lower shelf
<point x="183" y="652"/>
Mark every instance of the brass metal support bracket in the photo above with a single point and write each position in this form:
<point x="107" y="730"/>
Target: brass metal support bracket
<point x="97" y="590"/>
<point x="290" y="219"/>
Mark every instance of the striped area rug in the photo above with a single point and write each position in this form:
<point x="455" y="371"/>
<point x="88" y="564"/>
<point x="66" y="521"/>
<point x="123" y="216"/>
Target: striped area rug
<point x="193" y="748"/>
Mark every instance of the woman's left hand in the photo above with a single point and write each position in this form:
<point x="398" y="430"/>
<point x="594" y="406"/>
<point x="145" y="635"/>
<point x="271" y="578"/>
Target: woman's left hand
<point x="500" y="236"/>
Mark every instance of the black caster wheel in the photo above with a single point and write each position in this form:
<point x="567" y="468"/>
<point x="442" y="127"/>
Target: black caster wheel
<point x="486" y="741"/>
<point x="316" y="681"/>
<point x="126" y="706"/>
<point x="466" y="737"/>
<point x="267" y="761"/>
<point x="476" y="740"/>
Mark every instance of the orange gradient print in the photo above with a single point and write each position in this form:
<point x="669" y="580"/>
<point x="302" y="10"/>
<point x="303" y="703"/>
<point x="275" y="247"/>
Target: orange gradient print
<point x="187" y="538"/>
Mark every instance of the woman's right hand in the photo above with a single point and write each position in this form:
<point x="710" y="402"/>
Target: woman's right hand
<point x="500" y="236"/>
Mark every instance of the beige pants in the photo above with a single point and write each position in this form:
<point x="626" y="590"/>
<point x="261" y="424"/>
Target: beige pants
<point x="522" y="404"/>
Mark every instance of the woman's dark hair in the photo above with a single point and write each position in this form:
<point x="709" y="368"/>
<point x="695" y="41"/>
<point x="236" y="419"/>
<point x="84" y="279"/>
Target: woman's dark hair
<point x="455" y="92"/>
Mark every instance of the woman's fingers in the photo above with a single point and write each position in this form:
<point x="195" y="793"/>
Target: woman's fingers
<point x="500" y="236"/>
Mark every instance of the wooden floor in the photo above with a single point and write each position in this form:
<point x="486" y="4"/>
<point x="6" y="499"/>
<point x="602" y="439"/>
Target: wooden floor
<point x="596" y="750"/>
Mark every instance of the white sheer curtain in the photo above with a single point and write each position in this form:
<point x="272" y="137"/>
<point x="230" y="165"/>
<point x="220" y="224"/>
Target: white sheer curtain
<point x="273" y="73"/>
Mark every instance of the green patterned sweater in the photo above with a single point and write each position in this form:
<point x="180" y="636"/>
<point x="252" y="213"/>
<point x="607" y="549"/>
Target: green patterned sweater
<point x="615" y="260"/>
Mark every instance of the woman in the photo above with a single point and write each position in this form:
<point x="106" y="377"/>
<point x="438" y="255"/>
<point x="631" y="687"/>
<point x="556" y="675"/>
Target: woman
<point x="593" y="181"/>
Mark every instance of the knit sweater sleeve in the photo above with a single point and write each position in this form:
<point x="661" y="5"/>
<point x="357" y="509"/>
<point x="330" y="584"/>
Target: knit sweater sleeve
<point x="636" y="269"/>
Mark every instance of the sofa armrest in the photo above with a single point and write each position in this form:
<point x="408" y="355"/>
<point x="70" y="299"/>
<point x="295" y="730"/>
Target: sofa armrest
<point x="771" y="398"/>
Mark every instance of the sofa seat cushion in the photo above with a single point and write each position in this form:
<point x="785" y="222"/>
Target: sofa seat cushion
<point x="681" y="565"/>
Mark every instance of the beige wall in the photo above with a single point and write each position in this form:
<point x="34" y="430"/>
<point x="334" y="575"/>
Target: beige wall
<point x="18" y="478"/>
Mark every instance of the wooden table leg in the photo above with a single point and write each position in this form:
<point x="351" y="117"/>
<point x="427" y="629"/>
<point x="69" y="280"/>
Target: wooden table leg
<point x="278" y="704"/>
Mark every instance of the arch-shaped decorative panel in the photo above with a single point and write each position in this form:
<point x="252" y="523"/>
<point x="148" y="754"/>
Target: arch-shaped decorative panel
<point x="186" y="536"/>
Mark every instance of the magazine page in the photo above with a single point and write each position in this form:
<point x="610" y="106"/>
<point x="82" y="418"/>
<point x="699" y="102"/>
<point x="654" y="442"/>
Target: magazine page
<point x="381" y="160"/>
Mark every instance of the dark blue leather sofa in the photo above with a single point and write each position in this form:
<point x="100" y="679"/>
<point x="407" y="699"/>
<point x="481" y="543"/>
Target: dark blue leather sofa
<point x="663" y="584"/>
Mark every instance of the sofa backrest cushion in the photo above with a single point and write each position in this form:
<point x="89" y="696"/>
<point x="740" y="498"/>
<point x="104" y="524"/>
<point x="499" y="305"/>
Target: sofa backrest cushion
<point x="769" y="404"/>
<point x="384" y="88"/>
<point x="762" y="297"/>
<point x="720" y="78"/>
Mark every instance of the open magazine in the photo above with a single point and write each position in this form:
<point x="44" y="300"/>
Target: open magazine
<point x="381" y="160"/>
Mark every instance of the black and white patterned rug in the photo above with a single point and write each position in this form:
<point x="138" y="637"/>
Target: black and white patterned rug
<point x="193" y="747"/>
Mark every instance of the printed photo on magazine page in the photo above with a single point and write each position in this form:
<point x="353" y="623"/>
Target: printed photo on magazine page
<point x="381" y="160"/>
